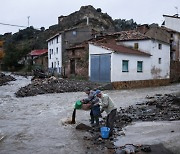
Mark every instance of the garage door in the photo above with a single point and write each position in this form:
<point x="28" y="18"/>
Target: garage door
<point x="100" y="68"/>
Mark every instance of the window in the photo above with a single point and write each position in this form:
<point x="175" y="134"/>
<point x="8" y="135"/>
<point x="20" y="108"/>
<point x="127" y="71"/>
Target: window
<point x="56" y="50"/>
<point x="74" y="33"/>
<point x="125" y="66"/>
<point x="136" y="46"/>
<point x="52" y="64"/>
<point x="159" y="60"/>
<point x="139" y="66"/>
<point x="73" y="52"/>
<point x="57" y="40"/>
<point x="159" y="46"/>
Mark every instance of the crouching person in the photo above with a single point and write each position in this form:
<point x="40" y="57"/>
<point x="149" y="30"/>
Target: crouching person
<point x="108" y="106"/>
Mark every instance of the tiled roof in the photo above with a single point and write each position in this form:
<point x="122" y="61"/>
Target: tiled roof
<point x="131" y="35"/>
<point x="38" y="52"/>
<point x="120" y="48"/>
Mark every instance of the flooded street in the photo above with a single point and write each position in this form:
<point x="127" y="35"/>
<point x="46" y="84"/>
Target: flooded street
<point x="36" y="124"/>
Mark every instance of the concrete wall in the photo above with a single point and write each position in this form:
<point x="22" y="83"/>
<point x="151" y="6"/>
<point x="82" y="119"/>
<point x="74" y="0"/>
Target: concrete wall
<point x="172" y="23"/>
<point x="175" y="71"/>
<point x="95" y="50"/>
<point x="56" y="58"/>
<point x="77" y="35"/>
<point x="158" y="71"/>
<point x="132" y="74"/>
<point x="152" y="69"/>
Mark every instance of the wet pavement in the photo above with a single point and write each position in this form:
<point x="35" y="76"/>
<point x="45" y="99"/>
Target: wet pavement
<point x="36" y="124"/>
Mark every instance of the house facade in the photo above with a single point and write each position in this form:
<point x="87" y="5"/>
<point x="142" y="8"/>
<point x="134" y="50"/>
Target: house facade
<point x="55" y="53"/>
<point x="60" y="46"/>
<point x="172" y="22"/>
<point x="172" y="25"/>
<point x="130" y="62"/>
<point x="38" y="58"/>
<point x="77" y="61"/>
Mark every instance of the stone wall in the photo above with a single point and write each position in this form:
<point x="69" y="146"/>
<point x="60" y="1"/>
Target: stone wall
<point x="140" y="83"/>
<point x="175" y="71"/>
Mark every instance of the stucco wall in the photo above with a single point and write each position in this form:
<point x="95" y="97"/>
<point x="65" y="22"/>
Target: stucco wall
<point x="55" y="57"/>
<point x="172" y="23"/>
<point x="151" y="67"/>
<point x="158" y="71"/>
<point x="96" y="50"/>
<point x="132" y="74"/>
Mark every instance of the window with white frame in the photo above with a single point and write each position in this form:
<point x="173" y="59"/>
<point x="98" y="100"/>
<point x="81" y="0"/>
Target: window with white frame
<point x="125" y="67"/>
<point x="139" y="66"/>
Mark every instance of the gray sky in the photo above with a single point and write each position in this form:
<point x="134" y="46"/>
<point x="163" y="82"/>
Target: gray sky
<point x="44" y="13"/>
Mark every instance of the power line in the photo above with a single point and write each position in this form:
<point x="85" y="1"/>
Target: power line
<point x="12" y="25"/>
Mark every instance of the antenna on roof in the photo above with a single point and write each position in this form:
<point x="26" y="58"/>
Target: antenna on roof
<point x="176" y="10"/>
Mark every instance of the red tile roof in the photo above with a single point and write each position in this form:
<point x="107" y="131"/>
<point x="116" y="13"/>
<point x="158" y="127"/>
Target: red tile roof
<point x="121" y="49"/>
<point x="38" y="52"/>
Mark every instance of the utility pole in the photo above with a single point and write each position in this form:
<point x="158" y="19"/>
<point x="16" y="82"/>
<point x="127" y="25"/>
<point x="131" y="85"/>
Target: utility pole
<point x="28" y="20"/>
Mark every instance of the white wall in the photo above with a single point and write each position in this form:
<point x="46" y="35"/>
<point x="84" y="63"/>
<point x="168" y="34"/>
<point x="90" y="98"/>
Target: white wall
<point x="55" y="57"/>
<point x="172" y="23"/>
<point x="158" y="71"/>
<point x="144" y="45"/>
<point x="96" y="50"/>
<point x="151" y="67"/>
<point x="116" y="67"/>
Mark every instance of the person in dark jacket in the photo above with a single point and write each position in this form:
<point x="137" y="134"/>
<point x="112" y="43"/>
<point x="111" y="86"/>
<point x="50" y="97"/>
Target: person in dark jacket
<point x="95" y="108"/>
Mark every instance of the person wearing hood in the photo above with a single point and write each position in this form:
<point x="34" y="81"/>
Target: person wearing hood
<point x="108" y="106"/>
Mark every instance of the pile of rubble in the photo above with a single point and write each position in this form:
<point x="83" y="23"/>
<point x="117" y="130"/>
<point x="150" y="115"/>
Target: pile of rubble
<point x="159" y="107"/>
<point x="4" y="79"/>
<point x="54" y="85"/>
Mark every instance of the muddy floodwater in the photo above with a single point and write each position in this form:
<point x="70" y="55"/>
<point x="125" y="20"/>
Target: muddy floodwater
<point x="37" y="124"/>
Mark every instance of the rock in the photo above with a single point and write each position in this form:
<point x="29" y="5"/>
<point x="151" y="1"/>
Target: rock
<point x="146" y="148"/>
<point x="83" y="127"/>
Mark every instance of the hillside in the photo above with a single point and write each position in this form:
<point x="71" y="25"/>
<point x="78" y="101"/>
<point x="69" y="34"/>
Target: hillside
<point x="22" y="42"/>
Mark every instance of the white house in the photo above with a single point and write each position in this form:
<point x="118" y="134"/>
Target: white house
<point x="55" y="53"/>
<point x="172" y="22"/>
<point x="129" y="59"/>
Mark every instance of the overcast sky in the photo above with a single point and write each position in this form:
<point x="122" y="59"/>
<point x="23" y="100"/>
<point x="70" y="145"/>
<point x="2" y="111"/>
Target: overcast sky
<point x="44" y="13"/>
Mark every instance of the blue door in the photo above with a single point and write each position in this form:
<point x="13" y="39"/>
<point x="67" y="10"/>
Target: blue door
<point x="100" y="68"/>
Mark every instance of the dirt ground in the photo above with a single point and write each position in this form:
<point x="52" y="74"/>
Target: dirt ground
<point x="36" y="124"/>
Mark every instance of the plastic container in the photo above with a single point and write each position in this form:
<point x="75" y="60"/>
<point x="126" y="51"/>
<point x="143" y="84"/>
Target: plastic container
<point x="105" y="132"/>
<point x="78" y="105"/>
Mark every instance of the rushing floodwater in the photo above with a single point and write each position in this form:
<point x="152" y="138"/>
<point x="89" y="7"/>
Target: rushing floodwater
<point x="35" y="124"/>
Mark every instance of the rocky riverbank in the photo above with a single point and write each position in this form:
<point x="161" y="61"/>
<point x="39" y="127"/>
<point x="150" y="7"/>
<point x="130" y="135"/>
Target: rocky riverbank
<point x="4" y="79"/>
<point x="56" y="85"/>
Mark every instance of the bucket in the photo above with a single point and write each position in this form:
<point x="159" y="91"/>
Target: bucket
<point x="78" y="105"/>
<point x="105" y="132"/>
